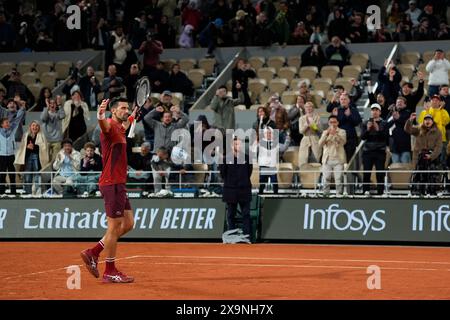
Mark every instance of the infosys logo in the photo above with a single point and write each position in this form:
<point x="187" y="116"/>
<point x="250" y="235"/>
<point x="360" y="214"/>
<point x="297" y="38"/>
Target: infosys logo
<point x="335" y="218"/>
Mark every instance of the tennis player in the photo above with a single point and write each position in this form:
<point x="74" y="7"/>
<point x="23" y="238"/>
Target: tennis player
<point x="112" y="187"/>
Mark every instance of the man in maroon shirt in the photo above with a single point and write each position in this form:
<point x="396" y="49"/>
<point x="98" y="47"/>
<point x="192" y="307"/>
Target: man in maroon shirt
<point x="112" y="187"/>
<point x="151" y="49"/>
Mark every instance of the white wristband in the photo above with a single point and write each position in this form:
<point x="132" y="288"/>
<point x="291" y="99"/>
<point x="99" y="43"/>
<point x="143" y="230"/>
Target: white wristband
<point x="101" y="116"/>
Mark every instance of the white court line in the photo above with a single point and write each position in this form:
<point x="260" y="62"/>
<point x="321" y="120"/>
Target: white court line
<point x="283" y="266"/>
<point x="59" y="269"/>
<point x="295" y="259"/>
<point x="256" y="265"/>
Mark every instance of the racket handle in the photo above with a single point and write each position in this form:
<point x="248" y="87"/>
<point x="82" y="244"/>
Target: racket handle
<point x="133" y="127"/>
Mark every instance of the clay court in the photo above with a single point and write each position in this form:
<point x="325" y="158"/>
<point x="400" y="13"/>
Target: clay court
<point x="216" y="271"/>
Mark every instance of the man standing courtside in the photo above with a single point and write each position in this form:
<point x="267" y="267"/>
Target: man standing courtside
<point x="112" y="187"/>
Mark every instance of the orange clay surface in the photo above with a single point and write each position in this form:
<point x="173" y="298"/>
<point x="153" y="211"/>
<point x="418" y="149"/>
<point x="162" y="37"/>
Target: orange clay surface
<point x="216" y="271"/>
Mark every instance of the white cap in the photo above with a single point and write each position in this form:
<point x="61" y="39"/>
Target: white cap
<point x="375" y="106"/>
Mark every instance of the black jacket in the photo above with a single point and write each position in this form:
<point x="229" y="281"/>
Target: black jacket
<point x="390" y="89"/>
<point x="413" y="98"/>
<point x="139" y="162"/>
<point x="375" y="140"/>
<point x="97" y="166"/>
<point x="400" y="141"/>
<point x="237" y="186"/>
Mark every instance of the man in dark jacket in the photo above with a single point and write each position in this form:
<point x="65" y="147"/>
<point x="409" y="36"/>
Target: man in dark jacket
<point x="159" y="79"/>
<point x="313" y="55"/>
<point x="14" y="86"/>
<point x="337" y="54"/>
<point x="179" y="82"/>
<point x="400" y="142"/>
<point x="237" y="187"/>
<point x="240" y="74"/>
<point x="412" y="98"/>
<point x="389" y="79"/>
<point x="140" y="167"/>
<point x="348" y="117"/>
<point x="375" y="132"/>
<point x="90" y="88"/>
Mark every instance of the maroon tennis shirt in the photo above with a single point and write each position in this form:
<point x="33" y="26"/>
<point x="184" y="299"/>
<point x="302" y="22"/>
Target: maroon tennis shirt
<point x="114" y="155"/>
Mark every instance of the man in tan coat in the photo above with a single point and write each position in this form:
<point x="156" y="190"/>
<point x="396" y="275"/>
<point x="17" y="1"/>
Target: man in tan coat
<point x="333" y="158"/>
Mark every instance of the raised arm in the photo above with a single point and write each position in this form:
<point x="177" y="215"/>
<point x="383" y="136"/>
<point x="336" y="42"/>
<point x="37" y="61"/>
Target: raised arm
<point x="101" y="116"/>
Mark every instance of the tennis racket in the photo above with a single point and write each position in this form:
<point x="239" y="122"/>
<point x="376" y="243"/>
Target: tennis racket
<point x="143" y="92"/>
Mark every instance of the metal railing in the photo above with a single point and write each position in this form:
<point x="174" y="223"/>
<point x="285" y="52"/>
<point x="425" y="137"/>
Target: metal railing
<point x="397" y="181"/>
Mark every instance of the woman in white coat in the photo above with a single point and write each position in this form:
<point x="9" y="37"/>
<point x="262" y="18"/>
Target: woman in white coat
<point x="310" y="128"/>
<point x="74" y="125"/>
<point x="33" y="155"/>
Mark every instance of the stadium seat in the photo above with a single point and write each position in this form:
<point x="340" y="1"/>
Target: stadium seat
<point x="5" y="67"/>
<point x="345" y="82"/>
<point x="427" y="56"/>
<point x="256" y="62"/>
<point x="264" y="97"/>
<point x="310" y="175"/>
<point x="100" y="75"/>
<point x="359" y="59"/>
<point x="406" y="69"/>
<point x="207" y="64"/>
<point x="276" y="62"/>
<point x="330" y="95"/>
<point x="309" y="72"/>
<point x="229" y="85"/>
<point x="422" y="68"/>
<point x="318" y="96"/>
<point x="168" y="63"/>
<point x="411" y="57"/>
<point x="254" y="178"/>
<point x="35" y="89"/>
<point x="289" y="97"/>
<point x="177" y="98"/>
<point x="25" y="67"/>
<point x="351" y="72"/>
<point x="400" y="180"/>
<point x="278" y="85"/>
<point x="62" y="68"/>
<point x="196" y="76"/>
<point x="256" y="87"/>
<point x="291" y="156"/>
<point x="29" y="78"/>
<point x="187" y="64"/>
<point x="323" y="84"/>
<point x="294" y="61"/>
<point x="48" y="79"/>
<point x="285" y="175"/>
<point x="255" y="106"/>
<point x="266" y="73"/>
<point x="44" y="66"/>
<point x="330" y="72"/>
<point x="287" y="73"/>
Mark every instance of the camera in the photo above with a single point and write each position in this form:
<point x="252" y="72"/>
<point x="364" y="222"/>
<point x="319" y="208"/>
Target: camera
<point x="423" y="153"/>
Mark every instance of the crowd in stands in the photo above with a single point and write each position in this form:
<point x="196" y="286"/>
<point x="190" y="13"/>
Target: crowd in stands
<point x="64" y="118"/>
<point x="118" y="26"/>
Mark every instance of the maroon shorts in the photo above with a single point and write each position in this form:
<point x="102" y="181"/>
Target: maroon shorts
<point x="116" y="200"/>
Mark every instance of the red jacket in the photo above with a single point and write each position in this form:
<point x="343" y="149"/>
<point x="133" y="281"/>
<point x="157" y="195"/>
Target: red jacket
<point x="151" y="50"/>
<point x="192" y="17"/>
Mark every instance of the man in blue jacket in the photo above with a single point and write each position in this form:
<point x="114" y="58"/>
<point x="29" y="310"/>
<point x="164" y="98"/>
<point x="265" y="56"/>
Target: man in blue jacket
<point x="8" y="148"/>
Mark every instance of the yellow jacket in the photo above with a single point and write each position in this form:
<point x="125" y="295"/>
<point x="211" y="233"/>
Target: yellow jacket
<point x="440" y="117"/>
